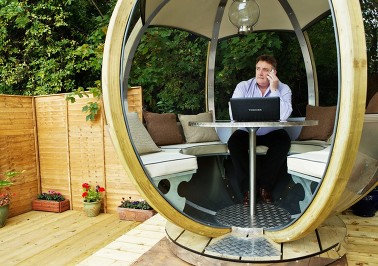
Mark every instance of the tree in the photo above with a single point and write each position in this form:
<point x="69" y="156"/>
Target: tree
<point x="370" y="16"/>
<point x="51" y="46"/>
<point x="56" y="46"/>
<point x="170" y="66"/>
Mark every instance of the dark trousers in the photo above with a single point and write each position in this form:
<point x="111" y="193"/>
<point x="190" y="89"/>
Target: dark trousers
<point x="269" y="167"/>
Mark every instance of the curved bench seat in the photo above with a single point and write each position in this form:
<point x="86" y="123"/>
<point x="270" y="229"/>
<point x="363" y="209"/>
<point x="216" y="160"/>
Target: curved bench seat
<point x="166" y="163"/>
<point x="311" y="164"/>
<point x="299" y="146"/>
<point x="307" y="169"/>
<point x="174" y="167"/>
<point x="218" y="147"/>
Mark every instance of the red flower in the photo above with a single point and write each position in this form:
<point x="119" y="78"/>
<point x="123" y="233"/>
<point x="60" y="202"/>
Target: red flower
<point x="92" y="194"/>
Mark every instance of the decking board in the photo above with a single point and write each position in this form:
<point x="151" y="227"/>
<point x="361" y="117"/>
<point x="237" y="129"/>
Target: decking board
<point x="103" y="240"/>
<point x="42" y="238"/>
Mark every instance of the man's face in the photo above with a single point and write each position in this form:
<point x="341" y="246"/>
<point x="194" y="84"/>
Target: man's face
<point x="262" y="70"/>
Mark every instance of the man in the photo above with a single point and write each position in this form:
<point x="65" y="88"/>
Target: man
<point x="274" y="163"/>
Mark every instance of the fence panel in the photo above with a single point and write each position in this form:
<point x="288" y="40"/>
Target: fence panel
<point x="51" y="139"/>
<point x="18" y="149"/>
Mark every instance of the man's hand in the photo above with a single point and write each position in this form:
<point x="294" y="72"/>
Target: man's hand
<point x="273" y="80"/>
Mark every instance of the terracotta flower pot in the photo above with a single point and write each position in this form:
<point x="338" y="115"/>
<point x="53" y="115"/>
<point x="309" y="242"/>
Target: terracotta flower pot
<point x="92" y="209"/>
<point x="50" y="205"/>
<point x="4" y="211"/>
<point x="135" y="214"/>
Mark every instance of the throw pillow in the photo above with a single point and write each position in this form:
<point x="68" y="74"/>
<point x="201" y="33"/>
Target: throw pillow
<point x="139" y="135"/>
<point x="198" y="134"/>
<point x="373" y="105"/>
<point x="326" y="121"/>
<point x="163" y="128"/>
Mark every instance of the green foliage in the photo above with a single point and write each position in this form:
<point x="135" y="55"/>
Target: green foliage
<point x="91" y="108"/>
<point x="9" y="175"/>
<point x="370" y="15"/>
<point x="170" y="66"/>
<point x="51" y="46"/>
<point x="5" y="182"/>
<point x="323" y="43"/>
<point x="56" y="46"/>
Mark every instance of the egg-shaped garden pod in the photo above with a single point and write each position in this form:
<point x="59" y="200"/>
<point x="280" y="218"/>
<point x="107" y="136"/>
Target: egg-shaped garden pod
<point x="350" y="160"/>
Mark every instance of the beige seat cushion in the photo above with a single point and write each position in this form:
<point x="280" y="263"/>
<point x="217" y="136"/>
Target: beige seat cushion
<point x="309" y="163"/>
<point x="198" y="134"/>
<point x="139" y="135"/>
<point x="307" y="146"/>
<point x="166" y="163"/>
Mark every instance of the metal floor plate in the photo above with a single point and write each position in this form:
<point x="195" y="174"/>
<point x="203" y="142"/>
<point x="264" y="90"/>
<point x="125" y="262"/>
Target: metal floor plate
<point x="257" y="247"/>
<point x="266" y="216"/>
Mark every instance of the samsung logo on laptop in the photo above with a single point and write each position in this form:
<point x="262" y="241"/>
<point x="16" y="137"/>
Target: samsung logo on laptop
<point x="255" y="110"/>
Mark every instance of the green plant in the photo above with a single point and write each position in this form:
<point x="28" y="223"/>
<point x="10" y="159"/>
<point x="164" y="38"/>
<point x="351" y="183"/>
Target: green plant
<point x="6" y="196"/>
<point x="9" y="175"/>
<point x="135" y="204"/>
<point x="90" y="194"/>
<point x="91" y="108"/>
<point x="51" y="195"/>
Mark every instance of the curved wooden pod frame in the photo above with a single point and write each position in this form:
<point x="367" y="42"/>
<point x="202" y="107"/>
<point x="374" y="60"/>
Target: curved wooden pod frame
<point x="118" y="130"/>
<point x="353" y="69"/>
<point x="348" y="129"/>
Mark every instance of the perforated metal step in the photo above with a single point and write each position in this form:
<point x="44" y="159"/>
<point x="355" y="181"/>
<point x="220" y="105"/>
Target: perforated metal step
<point x="267" y="216"/>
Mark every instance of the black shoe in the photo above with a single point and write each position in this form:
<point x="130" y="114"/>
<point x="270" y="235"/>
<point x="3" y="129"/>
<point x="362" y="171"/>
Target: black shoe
<point x="265" y="195"/>
<point x="246" y="199"/>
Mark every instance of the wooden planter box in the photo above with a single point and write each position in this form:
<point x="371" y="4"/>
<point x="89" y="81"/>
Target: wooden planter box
<point x="135" y="214"/>
<point x="51" y="206"/>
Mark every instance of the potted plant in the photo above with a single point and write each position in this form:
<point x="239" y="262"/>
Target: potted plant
<point x="52" y="201"/>
<point x="92" y="199"/>
<point x="135" y="210"/>
<point x="6" y="195"/>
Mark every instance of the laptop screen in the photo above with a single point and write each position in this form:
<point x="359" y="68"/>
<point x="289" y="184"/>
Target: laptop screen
<point x="255" y="109"/>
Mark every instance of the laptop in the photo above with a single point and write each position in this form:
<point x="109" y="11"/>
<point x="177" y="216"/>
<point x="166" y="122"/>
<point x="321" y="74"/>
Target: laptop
<point x="255" y="109"/>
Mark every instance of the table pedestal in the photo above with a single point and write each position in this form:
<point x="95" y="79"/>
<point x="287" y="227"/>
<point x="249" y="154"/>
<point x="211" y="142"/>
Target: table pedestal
<point x="252" y="170"/>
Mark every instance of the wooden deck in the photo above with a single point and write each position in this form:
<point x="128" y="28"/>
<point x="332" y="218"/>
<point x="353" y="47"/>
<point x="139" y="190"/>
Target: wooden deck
<point x="71" y="238"/>
<point x="46" y="238"/>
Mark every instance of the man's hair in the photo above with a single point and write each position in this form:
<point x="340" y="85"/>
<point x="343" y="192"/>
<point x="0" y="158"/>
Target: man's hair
<point x="267" y="58"/>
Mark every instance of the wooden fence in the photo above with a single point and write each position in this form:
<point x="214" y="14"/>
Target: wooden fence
<point x="18" y="149"/>
<point x="50" y="139"/>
